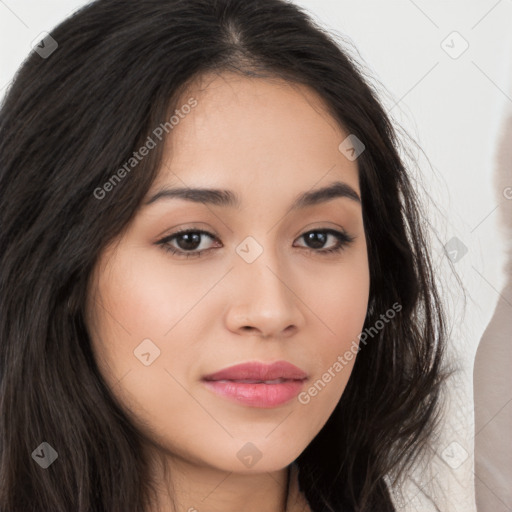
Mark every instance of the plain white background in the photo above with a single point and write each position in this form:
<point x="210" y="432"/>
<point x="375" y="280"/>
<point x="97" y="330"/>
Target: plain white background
<point x="457" y="104"/>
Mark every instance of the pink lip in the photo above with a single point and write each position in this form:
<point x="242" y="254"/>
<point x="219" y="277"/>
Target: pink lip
<point x="232" y="383"/>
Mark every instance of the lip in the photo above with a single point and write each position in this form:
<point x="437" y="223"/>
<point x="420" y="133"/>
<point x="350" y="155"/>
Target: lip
<point x="258" y="384"/>
<point x="255" y="370"/>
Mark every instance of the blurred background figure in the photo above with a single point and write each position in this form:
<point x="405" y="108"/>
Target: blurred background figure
<point x="493" y="362"/>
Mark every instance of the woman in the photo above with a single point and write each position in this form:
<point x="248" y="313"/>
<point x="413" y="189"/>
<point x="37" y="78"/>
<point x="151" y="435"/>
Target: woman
<point x="216" y="288"/>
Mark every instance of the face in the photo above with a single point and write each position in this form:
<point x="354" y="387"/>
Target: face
<point x="264" y="278"/>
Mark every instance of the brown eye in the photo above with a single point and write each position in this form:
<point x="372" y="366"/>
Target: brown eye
<point x="317" y="239"/>
<point x="187" y="242"/>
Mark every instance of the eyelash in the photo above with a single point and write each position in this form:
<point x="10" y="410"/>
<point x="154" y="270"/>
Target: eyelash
<point x="344" y="240"/>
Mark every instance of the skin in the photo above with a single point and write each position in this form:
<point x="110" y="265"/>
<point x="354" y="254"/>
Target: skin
<point x="267" y="141"/>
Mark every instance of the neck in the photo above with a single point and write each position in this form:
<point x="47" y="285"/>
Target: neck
<point x="186" y="487"/>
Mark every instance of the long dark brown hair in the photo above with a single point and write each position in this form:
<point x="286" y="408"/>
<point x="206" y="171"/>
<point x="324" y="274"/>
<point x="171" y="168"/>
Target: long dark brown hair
<point x="67" y="123"/>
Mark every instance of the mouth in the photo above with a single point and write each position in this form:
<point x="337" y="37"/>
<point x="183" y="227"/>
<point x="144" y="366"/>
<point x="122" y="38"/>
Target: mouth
<point x="249" y="381"/>
<point x="258" y="384"/>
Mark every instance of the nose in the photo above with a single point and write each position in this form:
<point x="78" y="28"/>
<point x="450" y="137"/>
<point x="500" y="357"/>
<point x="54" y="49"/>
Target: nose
<point x="263" y="301"/>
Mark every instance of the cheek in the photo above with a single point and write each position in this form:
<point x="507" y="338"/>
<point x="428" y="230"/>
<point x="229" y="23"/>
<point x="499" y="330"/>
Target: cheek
<point x="143" y="306"/>
<point x="143" y="296"/>
<point x="339" y="297"/>
<point x="339" y="294"/>
<point x="137" y="306"/>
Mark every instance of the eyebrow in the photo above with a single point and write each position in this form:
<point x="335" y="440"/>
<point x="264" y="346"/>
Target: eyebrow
<point x="227" y="198"/>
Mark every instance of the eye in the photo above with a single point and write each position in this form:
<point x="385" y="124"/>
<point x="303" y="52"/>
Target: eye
<point x="318" y="238"/>
<point x="187" y="240"/>
<point x="188" y="243"/>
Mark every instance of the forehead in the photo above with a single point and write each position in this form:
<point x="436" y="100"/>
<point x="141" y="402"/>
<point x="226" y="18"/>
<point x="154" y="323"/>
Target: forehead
<point x="247" y="131"/>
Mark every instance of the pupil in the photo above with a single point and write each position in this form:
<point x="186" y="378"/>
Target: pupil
<point x="318" y="239"/>
<point x="192" y="240"/>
